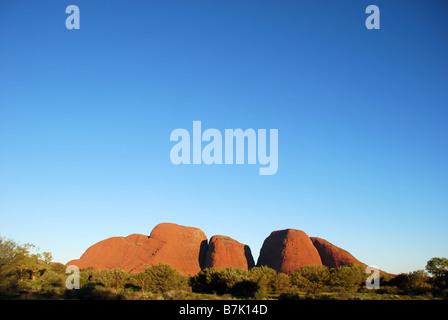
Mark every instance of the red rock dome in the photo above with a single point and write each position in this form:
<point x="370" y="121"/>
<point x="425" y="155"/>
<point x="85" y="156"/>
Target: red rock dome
<point x="333" y="256"/>
<point x="226" y="252"/>
<point x="286" y="250"/>
<point x="183" y="248"/>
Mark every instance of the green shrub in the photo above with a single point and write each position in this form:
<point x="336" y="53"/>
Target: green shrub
<point x="347" y="278"/>
<point x="438" y="268"/>
<point x="415" y="282"/>
<point x="310" y="279"/>
<point x="264" y="277"/>
<point x="260" y="294"/>
<point x="57" y="267"/>
<point x="218" y="280"/>
<point x="92" y="291"/>
<point x="115" y="278"/>
<point x="52" y="279"/>
<point x="160" y="278"/>
<point x="281" y="283"/>
<point x="244" y="288"/>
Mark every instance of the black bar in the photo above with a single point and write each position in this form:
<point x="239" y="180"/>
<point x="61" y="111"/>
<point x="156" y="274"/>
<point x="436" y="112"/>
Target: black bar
<point x="224" y="309"/>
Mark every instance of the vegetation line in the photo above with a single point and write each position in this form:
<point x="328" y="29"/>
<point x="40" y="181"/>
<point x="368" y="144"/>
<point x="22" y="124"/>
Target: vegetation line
<point x="27" y="275"/>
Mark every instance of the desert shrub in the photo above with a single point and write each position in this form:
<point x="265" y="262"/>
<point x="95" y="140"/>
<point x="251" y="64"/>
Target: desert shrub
<point x="174" y="295"/>
<point x="265" y="278"/>
<point x="401" y="281"/>
<point x="385" y="278"/>
<point x="86" y="276"/>
<point x="18" y="264"/>
<point x="261" y="294"/>
<point x="91" y="291"/>
<point x="161" y="278"/>
<point x="438" y="269"/>
<point x="347" y="278"/>
<point x="57" y="267"/>
<point x="413" y="282"/>
<point x="281" y="283"/>
<point x="419" y="281"/>
<point x="11" y="257"/>
<point x="444" y="294"/>
<point x="218" y="280"/>
<point x="389" y="289"/>
<point x="290" y="296"/>
<point x="311" y="279"/>
<point x="244" y="288"/>
<point x="114" y="278"/>
<point x="52" y="279"/>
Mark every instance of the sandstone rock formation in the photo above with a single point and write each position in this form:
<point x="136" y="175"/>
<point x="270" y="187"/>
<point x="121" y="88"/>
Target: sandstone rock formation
<point x="333" y="256"/>
<point x="226" y="252"/>
<point x="127" y="253"/>
<point x="286" y="250"/>
<point x="184" y="248"/>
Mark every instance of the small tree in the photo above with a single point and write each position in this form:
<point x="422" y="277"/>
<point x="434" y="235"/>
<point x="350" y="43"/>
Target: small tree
<point x="47" y="257"/>
<point x="11" y="256"/>
<point x="438" y="268"/>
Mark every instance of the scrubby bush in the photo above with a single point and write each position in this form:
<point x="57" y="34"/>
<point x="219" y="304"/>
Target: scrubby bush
<point x="91" y="291"/>
<point x="115" y="278"/>
<point x="264" y="276"/>
<point x="438" y="268"/>
<point x="218" y="280"/>
<point x="161" y="278"/>
<point x="281" y="283"/>
<point x="18" y="265"/>
<point x="245" y="289"/>
<point x="57" y="267"/>
<point x="347" y="278"/>
<point x="419" y="281"/>
<point x="413" y="282"/>
<point x="52" y="278"/>
<point x="311" y="279"/>
<point x="268" y="281"/>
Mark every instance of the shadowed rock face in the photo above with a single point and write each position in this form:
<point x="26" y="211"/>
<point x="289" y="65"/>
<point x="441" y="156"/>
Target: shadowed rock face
<point x="183" y="248"/>
<point x="286" y="250"/>
<point x="227" y="252"/>
<point x="333" y="256"/>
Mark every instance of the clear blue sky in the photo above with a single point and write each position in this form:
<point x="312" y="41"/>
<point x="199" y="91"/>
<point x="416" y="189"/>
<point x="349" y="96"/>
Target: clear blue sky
<point x="86" y="115"/>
